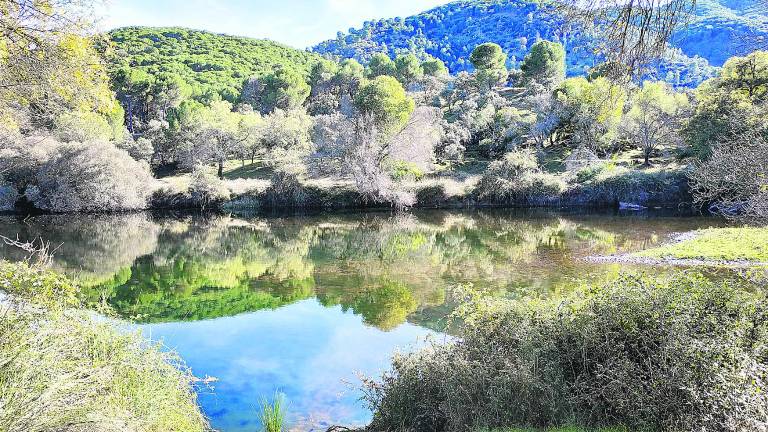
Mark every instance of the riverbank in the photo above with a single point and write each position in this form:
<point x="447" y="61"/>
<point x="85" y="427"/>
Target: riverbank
<point x="616" y="188"/>
<point x="742" y="247"/>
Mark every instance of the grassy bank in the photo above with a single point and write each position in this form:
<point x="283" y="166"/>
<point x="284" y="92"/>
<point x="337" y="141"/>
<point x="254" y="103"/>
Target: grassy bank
<point x="61" y="369"/>
<point x="598" y="187"/>
<point x="717" y="244"/>
<point x="683" y="353"/>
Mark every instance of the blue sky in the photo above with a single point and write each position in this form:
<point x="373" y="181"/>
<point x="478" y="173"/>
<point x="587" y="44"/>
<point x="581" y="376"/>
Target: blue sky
<point x="299" y="23"/>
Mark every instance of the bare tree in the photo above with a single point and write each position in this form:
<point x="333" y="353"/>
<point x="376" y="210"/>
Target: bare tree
<point x="634" y="31"/>
<point x="734" y="180"/>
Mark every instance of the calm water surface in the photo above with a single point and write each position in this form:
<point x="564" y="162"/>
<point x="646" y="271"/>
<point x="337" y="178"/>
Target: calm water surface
<point x="301" y="305"/>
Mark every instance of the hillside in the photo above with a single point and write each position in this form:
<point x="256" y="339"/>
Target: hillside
<point x="450" y="32"/>
<point x="205" y="61"/>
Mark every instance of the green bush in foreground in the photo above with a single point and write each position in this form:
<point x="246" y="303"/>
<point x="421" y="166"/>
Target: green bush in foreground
<point x="678" y="354"/>
<point x="61" y="370"/>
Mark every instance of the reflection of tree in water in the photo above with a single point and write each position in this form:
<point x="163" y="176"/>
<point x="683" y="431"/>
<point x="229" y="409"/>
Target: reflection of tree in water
<point x="387" y="269"/>
<point x="385" y="306"/>
<point x="95" y="249"/>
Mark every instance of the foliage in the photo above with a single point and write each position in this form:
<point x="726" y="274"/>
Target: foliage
<point x="48" y="66"/>
<point x="8" y="196"/>
<point x="381" y="65"/>
<point x="633" y="352"/>
<point x="408" y="69"/>
<point x="516" y="179"/>
<point x="385" y="100"/>
<point x="62" y="369"/>
<point x="83" y="127"/>
<point x="435" y="68"/>
<point x="653" y="119"/>
<point x="729" y="105"/>
<point x="450" y="33"/>
<point x="205" y="189"/>
<point x="272" y="415"/>
<point x="610" y="186"/>
<point x="718" y="244"/>
<point x="96" y="177"/>
<point x="284" y="89"/>
<point x="733" y="181"/>
<point x="590" y="112"/>
<point x="205" y="62"/>
<point x="544" y="64"/>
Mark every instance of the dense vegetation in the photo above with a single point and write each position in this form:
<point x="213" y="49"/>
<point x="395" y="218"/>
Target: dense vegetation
<point x="61" y="369"/>
<point x="532" y="118"/>
<point x="397" y="131"/>
<point x="450" y="33"/>
<point x="677" y="354"/>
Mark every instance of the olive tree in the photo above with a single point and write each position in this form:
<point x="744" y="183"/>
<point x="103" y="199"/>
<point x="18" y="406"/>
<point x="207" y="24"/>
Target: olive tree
<point x="654" y="117"/>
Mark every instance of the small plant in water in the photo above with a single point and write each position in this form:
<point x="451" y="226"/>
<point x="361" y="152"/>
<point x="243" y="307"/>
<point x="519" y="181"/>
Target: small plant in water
<point x="272" y="414"/>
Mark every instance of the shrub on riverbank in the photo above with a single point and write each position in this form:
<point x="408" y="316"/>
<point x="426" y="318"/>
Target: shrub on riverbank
<point x="606" y="186"/>
<point x="517" y="180"/>
<point x="678" y="354"/>
<point x="93" y="177"/>
<point x="60" y="369"/>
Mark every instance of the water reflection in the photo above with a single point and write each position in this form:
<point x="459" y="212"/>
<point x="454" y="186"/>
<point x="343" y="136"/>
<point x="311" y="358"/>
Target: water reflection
<point x="298" y="304"/>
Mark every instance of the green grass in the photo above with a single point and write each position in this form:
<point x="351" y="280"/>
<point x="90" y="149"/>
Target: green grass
<point x="272" y="414"/>
<point x="718" y="244"/>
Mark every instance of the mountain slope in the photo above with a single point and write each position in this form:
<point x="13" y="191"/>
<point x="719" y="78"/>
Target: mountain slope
<point x="208" y="62"/>
<point x="451" y="32"/>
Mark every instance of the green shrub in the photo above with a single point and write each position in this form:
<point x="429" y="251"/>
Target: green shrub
<point x="611" y="186"/>
<point x="517" y="179"/>
<point x="205" y="189"/>
<point x="402" y="170"/>
<point x="589" y="173"/>
<point x="63" y="370"/>
<point x="287" y="189"/>
<point x="272" y="414"/>
<point x="684" y="353"/>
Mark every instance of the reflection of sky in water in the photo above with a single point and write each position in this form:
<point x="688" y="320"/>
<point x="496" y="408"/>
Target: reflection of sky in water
<point x="308" y="352"/>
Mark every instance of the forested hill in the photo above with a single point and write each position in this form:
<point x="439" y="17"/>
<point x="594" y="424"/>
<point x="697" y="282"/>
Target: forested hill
<point x="451" y="32"/>
<point x="207" y="62"/>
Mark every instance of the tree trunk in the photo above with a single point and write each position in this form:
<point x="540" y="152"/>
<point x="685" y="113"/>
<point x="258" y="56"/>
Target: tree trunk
<point x="221" y="169"/>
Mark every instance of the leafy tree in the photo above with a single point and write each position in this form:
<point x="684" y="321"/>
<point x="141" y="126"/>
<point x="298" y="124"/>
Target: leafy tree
<point x="653" y="119"/>
<point x="747" y="75"/>
<point x="384" y="98"/>
<point x="216" y="137"/>
<point x="728" y="106"/>
<point x="435" y="68"/>
<point x="322" y="72"/>
<point x="408" y="69"/>
<point x="491" y="65"/>
<point x="545" y="64"/>
<point x="284" y="89"/>
<point x="380" y="65"/>
<point x="351" y="69"/>
<point x="488" y="56"/>
<point x="589" y="112"/>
